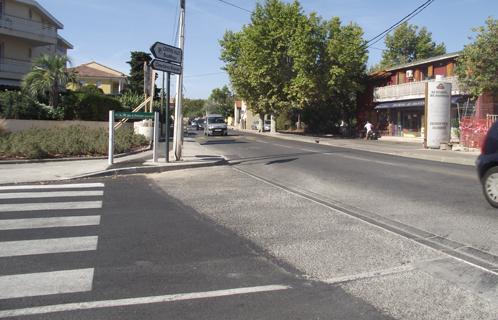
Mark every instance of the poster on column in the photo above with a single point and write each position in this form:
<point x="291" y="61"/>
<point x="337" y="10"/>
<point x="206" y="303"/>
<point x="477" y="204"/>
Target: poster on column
<point x="438" y="113"/>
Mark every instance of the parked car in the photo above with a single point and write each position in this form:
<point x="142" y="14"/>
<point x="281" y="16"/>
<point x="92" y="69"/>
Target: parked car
<point x="200" y="124"/>
<point x="267" y="125"/>
<point x="487" y="166"/>
<point x="215" y="124"/>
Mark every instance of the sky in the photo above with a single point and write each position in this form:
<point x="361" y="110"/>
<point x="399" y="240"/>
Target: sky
<point x="107" y="31"/>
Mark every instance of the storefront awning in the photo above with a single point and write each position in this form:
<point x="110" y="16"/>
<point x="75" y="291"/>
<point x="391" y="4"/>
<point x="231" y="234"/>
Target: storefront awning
<point x="411" y="103"/>
<point x="401" y="104"/>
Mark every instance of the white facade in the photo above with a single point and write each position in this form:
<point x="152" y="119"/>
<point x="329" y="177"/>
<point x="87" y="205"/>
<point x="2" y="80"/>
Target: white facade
<point x="27" y="30"/>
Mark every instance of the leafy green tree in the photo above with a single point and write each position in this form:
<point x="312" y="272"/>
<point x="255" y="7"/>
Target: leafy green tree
<point x="285" y="61"/>
<point x="477" y="67"/>
<point x="223" y="101"/>
<point x="136" y="77"/>
<point x="346" y="60"/>
<point x="193" y="108"/>
<point x="408" y="44"/>
<point x="48" y="76"/>
<point x="257" y="58"/>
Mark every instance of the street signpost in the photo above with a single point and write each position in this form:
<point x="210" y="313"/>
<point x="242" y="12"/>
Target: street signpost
<point x="166" y="66"/>
<point x="133" y="115"/>
<point x="167" y="59"/>
<point x="166" y="52"/>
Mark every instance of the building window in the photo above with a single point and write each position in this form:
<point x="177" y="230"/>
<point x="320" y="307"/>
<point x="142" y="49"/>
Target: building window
<point x="98" y="83"/>
<point x="30" y="53"/>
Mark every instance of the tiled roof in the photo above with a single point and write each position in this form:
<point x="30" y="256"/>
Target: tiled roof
<point x="86" y="71"/>
<point x="424" y="61"/>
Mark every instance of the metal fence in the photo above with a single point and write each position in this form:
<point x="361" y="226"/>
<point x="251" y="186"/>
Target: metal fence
<point x="474" y="130"/>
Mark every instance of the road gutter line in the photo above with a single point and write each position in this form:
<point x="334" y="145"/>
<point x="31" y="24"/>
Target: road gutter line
<point x="138" y="301"/>
<point x="371" y="274"/>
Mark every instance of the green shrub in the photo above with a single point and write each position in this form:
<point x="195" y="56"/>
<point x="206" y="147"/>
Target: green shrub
<point x="95" y="107"/>
<point x="73" y="141"/>
<point x="17" y="105"/>
<point x="131" y="100"/>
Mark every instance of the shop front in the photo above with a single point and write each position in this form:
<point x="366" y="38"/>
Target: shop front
<point x="401" y="118"/>
<point x="406" y="118"/>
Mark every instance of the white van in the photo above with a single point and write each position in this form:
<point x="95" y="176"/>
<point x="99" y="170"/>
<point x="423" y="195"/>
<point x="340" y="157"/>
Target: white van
<point x="215" y="124"/>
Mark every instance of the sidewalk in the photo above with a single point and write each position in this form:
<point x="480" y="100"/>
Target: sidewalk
<point x="412" y="148"/>
<point x="194" y="155"/>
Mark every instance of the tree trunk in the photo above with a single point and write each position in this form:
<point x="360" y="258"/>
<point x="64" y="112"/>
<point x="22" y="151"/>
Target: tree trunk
<point x="273" y="125"/>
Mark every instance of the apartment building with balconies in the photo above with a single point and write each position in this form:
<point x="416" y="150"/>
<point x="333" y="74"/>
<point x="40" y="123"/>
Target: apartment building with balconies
<point x="27" y="30"/>
<point x="395" y="98"/>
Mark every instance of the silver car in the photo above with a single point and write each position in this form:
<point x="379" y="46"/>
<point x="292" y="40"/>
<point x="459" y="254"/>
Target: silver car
<point x="215" y="124"/>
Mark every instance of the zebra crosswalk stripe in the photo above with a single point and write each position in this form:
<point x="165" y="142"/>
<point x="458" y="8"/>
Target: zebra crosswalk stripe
<point x="44" y="283"/>
<point x="53" y="282"/>
<point x="53" y="186"/>
<point x="51" y="194"/>
<point x="57" y="222"/>
<point x="46" y="246"/>
<point x="14" y="207"/>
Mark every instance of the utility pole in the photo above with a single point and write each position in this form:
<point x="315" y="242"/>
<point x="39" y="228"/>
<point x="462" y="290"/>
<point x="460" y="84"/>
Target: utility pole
<point x="166" y="114"/>
<point x="178" y="134"/>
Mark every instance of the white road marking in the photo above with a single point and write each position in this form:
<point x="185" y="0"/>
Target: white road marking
<point x="51" y="194"/>
<point x="50" y="206"/>
<point x="138" y="301"/>
<point x="53" y="186"/>
<point x="45" y="283"/>
<point x="371" y="274"/>
<point x="58" y="222"/>
<point x="45" y="246"/>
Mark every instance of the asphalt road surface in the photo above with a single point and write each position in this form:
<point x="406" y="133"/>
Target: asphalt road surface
<point x="124" y="249"/>
<point x="413" y="238"/>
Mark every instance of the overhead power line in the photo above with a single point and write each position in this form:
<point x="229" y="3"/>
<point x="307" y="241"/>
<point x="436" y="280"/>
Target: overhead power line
<point x="204" y="74"/>
<point x="412" y="14"/>
<point x="234" y="5"/>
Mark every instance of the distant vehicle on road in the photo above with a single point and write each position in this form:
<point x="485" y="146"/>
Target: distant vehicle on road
<point x="267" y="125"/>
<point x="215" y="124"/>
<point x="200" y="124"/>
<point x="487" y="166"/>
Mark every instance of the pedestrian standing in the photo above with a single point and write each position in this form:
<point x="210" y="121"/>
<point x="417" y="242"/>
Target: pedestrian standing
<point x="368" y="126"/>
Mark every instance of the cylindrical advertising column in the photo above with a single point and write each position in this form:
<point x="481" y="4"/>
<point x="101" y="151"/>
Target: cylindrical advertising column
<point x="438" y="113"/>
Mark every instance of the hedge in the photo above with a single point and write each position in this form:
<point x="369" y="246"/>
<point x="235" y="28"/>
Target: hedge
<point x="73" y="141"/>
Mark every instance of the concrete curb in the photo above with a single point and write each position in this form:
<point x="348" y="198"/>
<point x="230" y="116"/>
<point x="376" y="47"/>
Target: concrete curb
<point x="148" y="170"/>
<point x="121" y="155"/>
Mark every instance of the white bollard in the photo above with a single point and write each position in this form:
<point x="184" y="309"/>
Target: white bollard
<point x="111" y="137"/>
<point x="155" y="142"/>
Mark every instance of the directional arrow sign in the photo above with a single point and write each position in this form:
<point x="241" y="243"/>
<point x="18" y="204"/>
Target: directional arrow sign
<point x="166" y="52"/>
<point x="166" y="66"/>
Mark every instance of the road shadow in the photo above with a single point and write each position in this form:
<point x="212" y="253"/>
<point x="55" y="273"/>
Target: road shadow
<point x="280" y="161"/>
<point x="210" y="142"/>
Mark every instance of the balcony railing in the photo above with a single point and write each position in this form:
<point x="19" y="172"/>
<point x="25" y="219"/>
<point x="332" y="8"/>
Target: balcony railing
<point x="411" y="90"/>
<point x="32" y="29"/>
<point x="17" y="67"/>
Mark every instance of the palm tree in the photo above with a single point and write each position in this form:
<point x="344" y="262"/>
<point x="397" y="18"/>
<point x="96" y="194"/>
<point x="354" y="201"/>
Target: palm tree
<point x="48" y="75"/>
